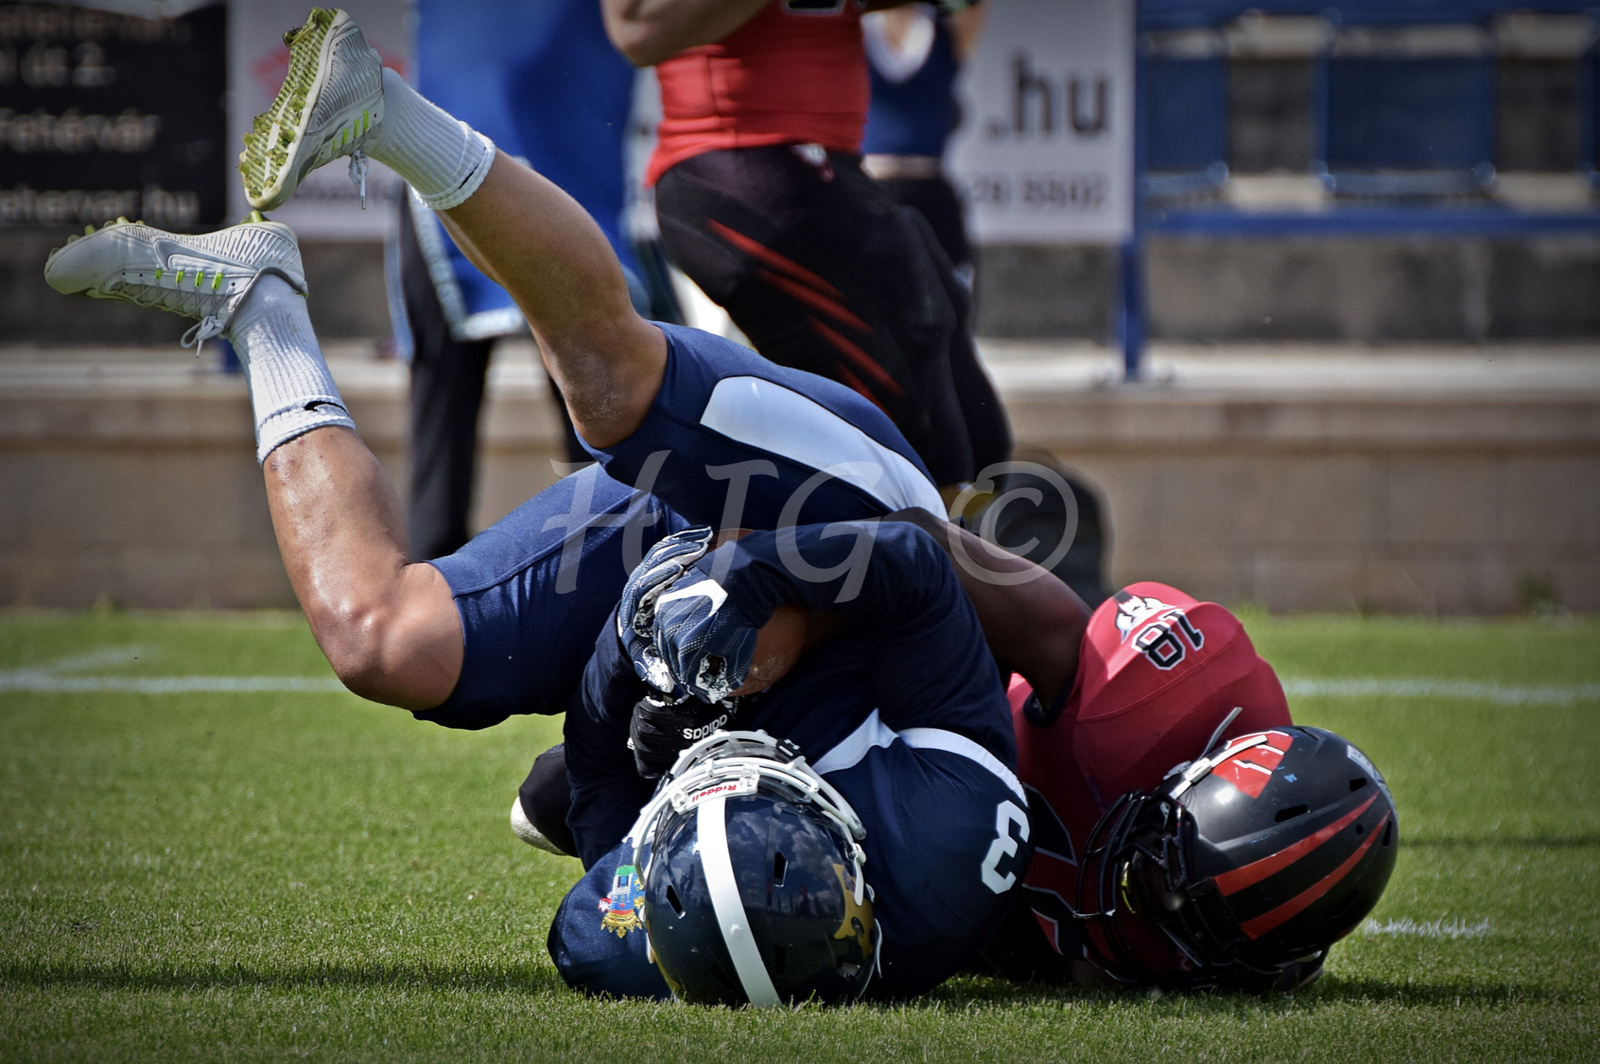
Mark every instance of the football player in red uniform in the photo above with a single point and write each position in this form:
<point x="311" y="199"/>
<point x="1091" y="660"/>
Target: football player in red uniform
<point x="1186" y="834"/>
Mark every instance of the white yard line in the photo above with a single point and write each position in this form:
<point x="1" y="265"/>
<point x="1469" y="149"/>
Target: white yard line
<point x="49" y="679"/>
<point x="1429" y="929"/>
<point x="27" y="680"/>
<point x="1416" y="687"/>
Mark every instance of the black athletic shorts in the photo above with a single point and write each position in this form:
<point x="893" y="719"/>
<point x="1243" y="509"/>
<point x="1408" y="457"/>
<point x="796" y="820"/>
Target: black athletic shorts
<point x="825" y="273"/>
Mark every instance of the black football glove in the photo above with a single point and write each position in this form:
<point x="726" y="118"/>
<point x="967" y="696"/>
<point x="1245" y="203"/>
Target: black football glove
<point x="662" y="728"/>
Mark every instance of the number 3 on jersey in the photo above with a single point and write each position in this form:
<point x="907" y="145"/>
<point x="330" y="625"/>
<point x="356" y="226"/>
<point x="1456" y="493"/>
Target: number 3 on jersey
<point x="1011" y="831"/>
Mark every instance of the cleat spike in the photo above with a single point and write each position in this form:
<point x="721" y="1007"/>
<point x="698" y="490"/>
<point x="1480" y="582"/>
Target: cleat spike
<point x="88" y="230"/>
<point x="331" y="100"/>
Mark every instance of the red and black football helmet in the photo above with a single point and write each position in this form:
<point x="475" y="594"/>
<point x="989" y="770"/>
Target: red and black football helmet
<point x="1242" y="868"/>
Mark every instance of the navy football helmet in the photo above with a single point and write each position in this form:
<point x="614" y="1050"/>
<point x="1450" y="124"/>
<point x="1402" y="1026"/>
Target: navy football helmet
<point x="753" y="890"/>
<point x="1242" y="868"/>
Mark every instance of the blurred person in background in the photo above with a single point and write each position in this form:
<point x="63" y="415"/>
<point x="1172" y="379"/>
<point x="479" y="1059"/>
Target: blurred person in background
<point x="914" y="55"/>
<point x="543" y="81"/>
<point x="763" y="203"/>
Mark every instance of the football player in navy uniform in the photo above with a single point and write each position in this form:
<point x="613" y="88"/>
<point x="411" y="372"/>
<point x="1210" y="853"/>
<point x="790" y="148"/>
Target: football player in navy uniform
<point x="509" y="623"/>
<point x="517" y="620"/>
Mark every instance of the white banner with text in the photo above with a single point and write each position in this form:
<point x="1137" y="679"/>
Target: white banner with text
<point x="1044" y="154"/>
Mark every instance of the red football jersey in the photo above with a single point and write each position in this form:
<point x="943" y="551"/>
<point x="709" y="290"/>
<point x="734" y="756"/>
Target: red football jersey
<point x="1157" y="672"/>
<point x="795" y="73"/>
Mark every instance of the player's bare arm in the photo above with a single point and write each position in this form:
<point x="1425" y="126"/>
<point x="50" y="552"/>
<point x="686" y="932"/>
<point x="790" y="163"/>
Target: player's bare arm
<point x="648" y="31"/>
<point x="1033" y="625"/>
<point x="1032" y="621"/>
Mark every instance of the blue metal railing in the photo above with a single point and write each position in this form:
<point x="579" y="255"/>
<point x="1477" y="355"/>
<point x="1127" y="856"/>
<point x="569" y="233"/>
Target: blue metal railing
<point x="1406" y="144"/>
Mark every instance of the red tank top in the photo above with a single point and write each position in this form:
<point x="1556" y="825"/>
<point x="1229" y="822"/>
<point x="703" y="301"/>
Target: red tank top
<point x="795" y="73"/>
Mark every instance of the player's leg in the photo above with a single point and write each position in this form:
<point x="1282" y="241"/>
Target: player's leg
<point x="988" y="427"/>
<point x="387" y="626"/>
<point x="523" y="231"/>
<point x="539" y="812"/>
<point x="528" y="235"/>
<point x="502" y="626"/>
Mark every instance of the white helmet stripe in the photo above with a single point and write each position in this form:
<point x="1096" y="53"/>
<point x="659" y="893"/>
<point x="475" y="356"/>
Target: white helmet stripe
<point x="711" y="824"/>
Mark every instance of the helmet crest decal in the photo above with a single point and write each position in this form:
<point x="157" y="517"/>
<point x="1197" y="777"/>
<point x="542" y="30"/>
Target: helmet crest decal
<point x="1134" y="610"/>
<point x="621" y="906"/>
<point x="1250" y="767"/>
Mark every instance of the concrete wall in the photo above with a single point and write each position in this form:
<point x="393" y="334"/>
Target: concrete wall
<point x="132" y="480"/>
<point x="1328" y="503"/>
<point x="1461" y="489"/>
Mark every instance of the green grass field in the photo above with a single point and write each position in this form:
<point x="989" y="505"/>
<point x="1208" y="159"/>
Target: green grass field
<point x="258" y="875"/>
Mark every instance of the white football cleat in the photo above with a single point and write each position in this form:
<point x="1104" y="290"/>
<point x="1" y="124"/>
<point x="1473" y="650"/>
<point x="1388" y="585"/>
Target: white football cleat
<point x="331" y="99"/>
<point x="204" y="277"/>
<point x="524" y="829"/>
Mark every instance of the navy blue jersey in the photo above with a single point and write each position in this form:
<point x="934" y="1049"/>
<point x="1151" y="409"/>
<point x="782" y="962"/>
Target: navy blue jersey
<point x="733" y="441"/>
<point x="903" y="711"/>
<point x="914" y="108"/>
<point x="727" y="424"/>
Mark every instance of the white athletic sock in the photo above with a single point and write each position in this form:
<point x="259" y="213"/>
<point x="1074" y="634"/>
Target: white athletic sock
<point x="291" y="390"/>
<point x="443" y="159"/>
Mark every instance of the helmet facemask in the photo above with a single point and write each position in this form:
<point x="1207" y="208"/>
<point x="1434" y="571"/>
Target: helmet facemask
<point x="1134" y="890"/>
